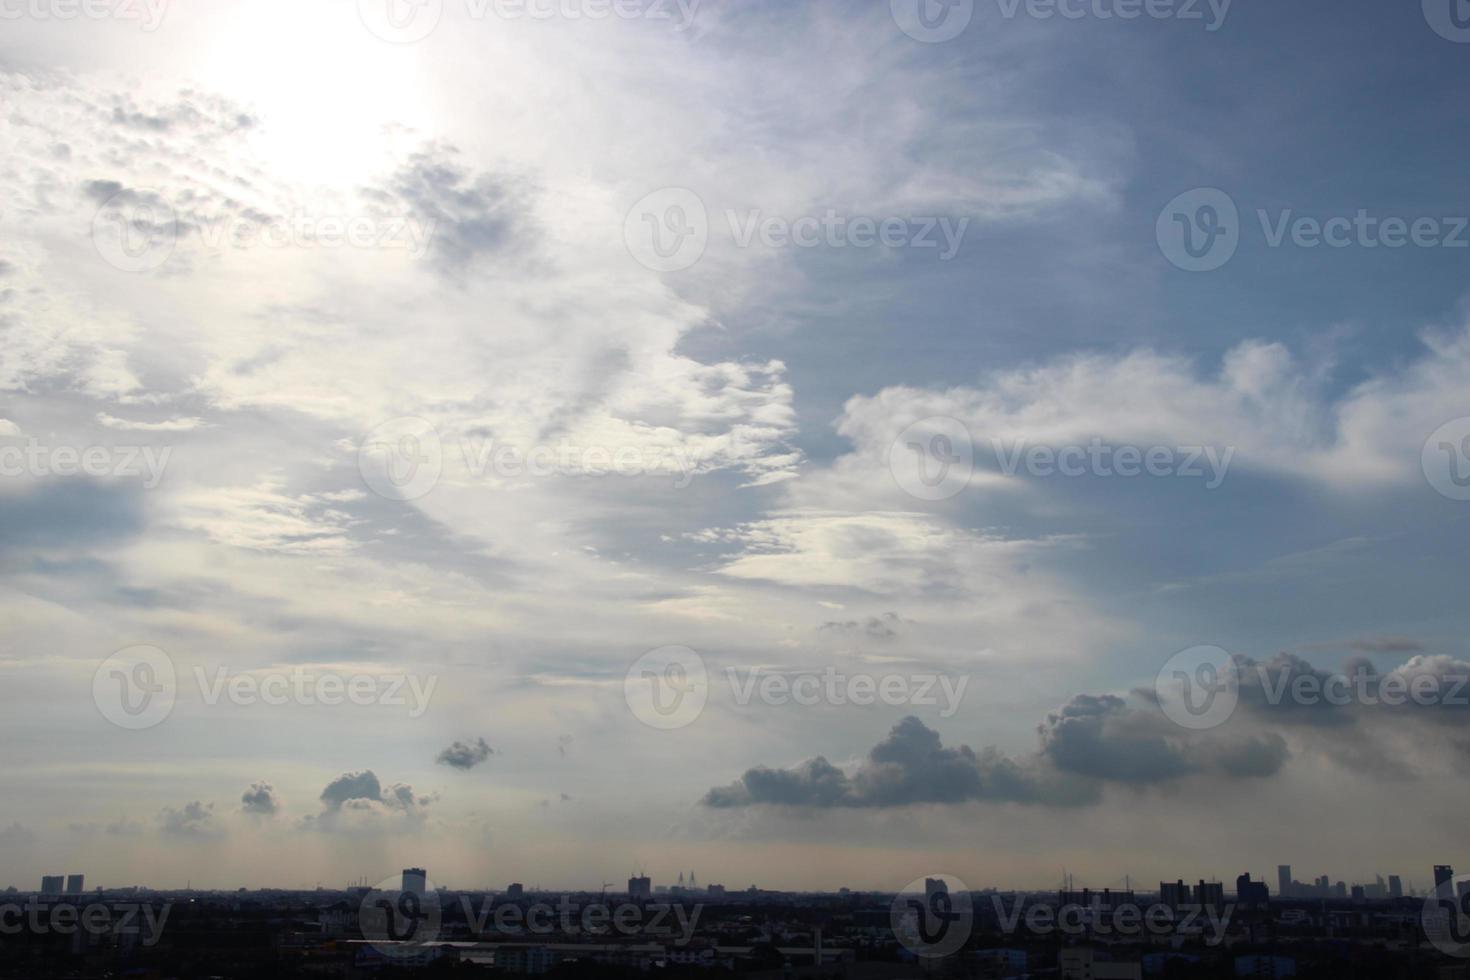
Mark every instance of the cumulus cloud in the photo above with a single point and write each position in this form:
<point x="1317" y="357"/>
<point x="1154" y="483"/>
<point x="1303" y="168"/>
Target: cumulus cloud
<point x="358" y="801"/>
<point x="465" y="755"/>
<point x="261" y="799"/>
<point x="194" y="819"/>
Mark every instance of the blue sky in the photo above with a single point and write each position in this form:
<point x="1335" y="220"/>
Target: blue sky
<point x="765" y="397"/>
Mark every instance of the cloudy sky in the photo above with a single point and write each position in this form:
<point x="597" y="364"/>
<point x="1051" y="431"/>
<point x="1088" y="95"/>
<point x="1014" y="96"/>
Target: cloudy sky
<point x="460" y="354"/>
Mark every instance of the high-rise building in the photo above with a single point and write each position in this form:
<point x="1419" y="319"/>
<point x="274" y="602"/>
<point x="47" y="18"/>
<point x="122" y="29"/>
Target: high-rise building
<point x="51" y="884"/>
<point x="1249" y="892"/>
<point x="516" y="890"/>
<point x="415" y="880"/>
<point x="1283" y="880"/>
<point x="1442" y="874"/>
<point x="1395" y="887"/>
<point x="75" y="884"/>
<point x="1210" y="894"/>
<point x="640" y="886"/>
<point x="1175" y="895"/>
<point x="932" y="887"/>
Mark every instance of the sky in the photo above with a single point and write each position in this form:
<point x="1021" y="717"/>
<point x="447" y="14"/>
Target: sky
<point x="795" y="443"/>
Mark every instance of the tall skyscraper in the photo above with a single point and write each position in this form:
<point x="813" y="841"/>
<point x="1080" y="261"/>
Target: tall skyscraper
<point x="74" y="884"/>
<point x="640" y="886"/>
<point x="415" y="880"/>
<point x="51" y="884"/>
<point x="1283" y="880"/>
<point x="1442" y="874"/>
<point x="1395" y="887"/>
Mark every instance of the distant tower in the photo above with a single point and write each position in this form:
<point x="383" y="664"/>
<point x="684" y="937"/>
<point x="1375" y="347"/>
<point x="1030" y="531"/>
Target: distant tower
<point x="51" y="884"/>
<point x="415" y="880"/>
<point x="1442" y="874"/>
<point x="692" y="884"/>
<point x="1283" y="880"/>
<point x="681" y="879"/>
<point x="640" y="886"/>
<point x="1395" y="887"/>
<point x="74" y="884"/>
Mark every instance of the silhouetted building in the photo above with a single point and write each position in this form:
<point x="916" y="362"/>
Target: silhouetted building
<point x="1174" y="895"/>
<point x="1249" y="892"/>
<point x="1283" y="880"/>
<point x="1210" y="894"/>
<point x="1395" y="887"/>
<point x="51" y="884"/>
<point x="640" y="887"/>
<point x="415" y="880"/>
<point x="74" y="884"/>
<point x="932" y="887"/>
<point x="1442" y="874"/>
<point x="516" y="890"/>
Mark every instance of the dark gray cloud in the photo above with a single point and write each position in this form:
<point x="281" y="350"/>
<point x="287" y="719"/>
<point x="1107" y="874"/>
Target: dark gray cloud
<point x="465" y="755"/>
<point x="883" y="627"/>
<point x="355" y="799"/>
<point x="910" y="766"/>
<point x="261" y="799"/>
